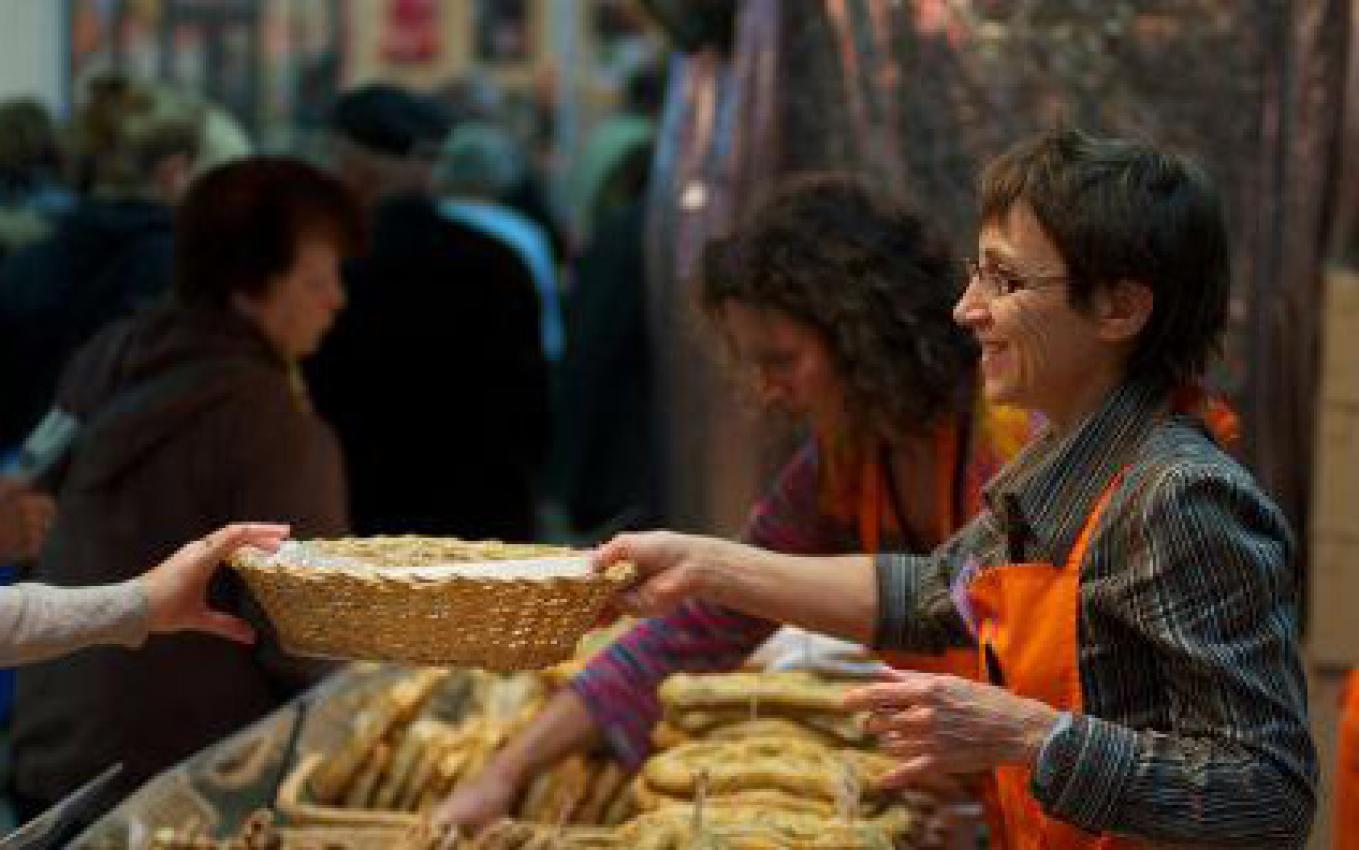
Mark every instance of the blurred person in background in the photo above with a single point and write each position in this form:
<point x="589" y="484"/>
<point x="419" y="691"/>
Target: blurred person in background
<point x="476" y="100"/>
<point x="604" y="466"/>
<point x="434" y="378"/>
<point x="138" y="148"/>
<point x="25" y="516"/>
<point x="185" y="417"/>
<point x="32" y="194"/>
<point x="604" y="451"/>
<point x="480" y="163"/>
<point x="837" y="303"/>
<point x="613" y="167"/>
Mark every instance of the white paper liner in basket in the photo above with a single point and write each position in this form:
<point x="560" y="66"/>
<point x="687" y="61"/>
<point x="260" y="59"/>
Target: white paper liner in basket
<point x="429" y="600"/>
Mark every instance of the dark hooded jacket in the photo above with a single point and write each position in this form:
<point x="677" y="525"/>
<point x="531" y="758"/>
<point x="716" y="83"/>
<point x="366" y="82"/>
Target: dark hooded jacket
<point x="105" y="259"/>
<point x="189" y="420"/>
<point x="435" y="381"/>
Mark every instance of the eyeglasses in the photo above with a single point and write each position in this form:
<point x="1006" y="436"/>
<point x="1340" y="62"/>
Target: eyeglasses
<point x="997" y="282"/>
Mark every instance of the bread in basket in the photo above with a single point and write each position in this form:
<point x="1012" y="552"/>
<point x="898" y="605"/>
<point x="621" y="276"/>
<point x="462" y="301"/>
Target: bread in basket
<point x="426" y="600"/>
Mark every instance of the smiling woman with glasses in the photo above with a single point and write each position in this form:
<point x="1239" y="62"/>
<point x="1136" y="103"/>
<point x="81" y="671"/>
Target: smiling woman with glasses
<point x="1129" y="591"/>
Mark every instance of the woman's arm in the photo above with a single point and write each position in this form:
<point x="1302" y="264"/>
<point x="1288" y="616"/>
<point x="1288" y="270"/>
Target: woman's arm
<point x="614" y="699"/>
<point x="563" y="727"/>
<point x="38" y="622"/>
<point x="835" y="595"/>
<point x="619" y="684"/>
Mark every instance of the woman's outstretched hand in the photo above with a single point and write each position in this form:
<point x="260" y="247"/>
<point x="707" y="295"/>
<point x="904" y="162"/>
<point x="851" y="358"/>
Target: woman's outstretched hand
<point x="177" y="589"/>
<point x="671" y="568"/>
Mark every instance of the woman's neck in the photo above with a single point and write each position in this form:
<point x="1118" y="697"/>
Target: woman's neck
<point x="914" y="464"/>
<point x="248" y="310"/>
<point x="1069" y="411"/>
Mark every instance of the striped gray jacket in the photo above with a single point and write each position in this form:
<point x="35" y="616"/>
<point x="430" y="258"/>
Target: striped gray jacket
<point x="1194" y="726"/>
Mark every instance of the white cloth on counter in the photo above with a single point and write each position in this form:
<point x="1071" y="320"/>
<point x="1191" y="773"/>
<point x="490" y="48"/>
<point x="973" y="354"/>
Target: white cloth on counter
<point x="792" y="648"/>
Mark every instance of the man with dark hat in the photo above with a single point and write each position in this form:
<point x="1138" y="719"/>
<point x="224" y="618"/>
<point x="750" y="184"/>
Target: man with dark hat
<point x="385" y="140"/>
<point x="434" y="376"/>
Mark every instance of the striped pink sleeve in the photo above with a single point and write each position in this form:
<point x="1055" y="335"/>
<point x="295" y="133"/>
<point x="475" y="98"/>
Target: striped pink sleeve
<point x="619" y="684"/>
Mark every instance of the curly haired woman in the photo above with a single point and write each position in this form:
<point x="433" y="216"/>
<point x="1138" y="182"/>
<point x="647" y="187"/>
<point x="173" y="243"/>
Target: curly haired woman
<point x="839" y="304"/>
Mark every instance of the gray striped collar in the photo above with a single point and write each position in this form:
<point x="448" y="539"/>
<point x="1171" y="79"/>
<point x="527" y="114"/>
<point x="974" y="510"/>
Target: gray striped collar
<point x="1042" y="499"/>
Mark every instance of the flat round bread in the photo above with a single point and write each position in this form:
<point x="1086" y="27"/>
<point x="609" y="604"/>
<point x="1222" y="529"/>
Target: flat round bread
<point x="792" y="689"/>
<point x="794" y="765"/>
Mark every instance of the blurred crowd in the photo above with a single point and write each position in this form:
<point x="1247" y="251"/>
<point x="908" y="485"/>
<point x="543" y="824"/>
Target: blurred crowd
<point x="415" y="329"/>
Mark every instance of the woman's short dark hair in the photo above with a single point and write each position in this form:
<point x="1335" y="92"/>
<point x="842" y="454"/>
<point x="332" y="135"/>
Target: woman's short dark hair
<point x="241" y="224"/>
<point x="1123" y="210"/>
<point x="869" y="275"/>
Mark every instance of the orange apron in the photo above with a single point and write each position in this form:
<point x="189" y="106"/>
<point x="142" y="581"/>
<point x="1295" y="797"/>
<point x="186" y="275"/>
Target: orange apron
<point x="873" y="504"/>
<point x="1345" y="829"/>
<point x="1027" y="618"/>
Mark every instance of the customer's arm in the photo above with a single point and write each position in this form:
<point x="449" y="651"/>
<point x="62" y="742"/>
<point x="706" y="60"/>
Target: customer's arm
<point x="38" y="622"/>
<point x="1210" y="585"/>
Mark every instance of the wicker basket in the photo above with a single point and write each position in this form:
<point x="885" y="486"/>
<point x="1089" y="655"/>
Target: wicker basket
<point x="420" y="600"/>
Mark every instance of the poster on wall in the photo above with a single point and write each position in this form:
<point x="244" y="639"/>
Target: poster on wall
<point x="411" y="32"/>
<point x="274" y="66"/>
<point x="304" y="61"/>
<point x="209" y="48"/>
<point x="112" y="36"/>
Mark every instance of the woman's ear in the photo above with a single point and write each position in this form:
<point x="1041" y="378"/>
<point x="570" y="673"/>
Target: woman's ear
<point x="1124" y="309"/>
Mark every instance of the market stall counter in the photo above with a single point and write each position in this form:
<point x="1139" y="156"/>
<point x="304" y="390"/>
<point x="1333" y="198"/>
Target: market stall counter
<point x="229" y="790"/>
<point x="745" y="760"/>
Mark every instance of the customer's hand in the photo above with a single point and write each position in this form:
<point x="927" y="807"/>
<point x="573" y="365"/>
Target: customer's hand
<point x="940" y="724"/>
<point x="25" y="517"/>
<point x="177" y="590"/>
<point x="671" y="568"/>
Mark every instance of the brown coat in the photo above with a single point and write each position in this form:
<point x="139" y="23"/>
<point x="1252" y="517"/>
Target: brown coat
<point x="189" y="420"/>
